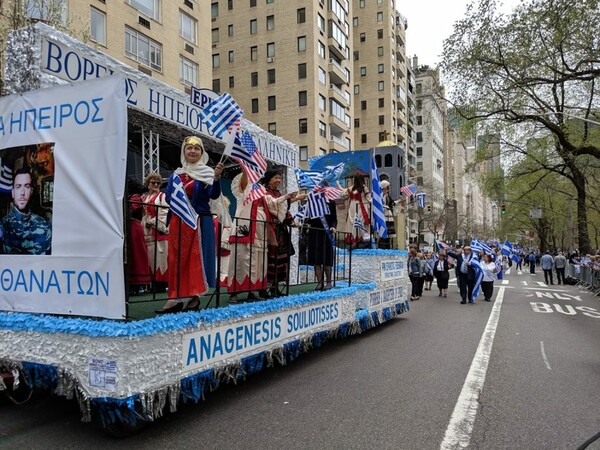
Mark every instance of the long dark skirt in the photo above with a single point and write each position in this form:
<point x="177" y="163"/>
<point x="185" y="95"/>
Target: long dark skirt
<point x="442" y="280"/>
<point x="279" y="257"/>
<point x="320" y="249"/>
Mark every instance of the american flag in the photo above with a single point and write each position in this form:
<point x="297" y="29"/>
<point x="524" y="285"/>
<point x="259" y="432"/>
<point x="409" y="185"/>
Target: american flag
<point x="317" y="205"/>
<point x="5" y="178"/>
<point x="378" y="214"/>
<point x="220" y="114"/>
<point x="331" y="193"/>
<point x="256" y="193"/>
<point x="246" y="153"/>
<point x="408" y="190"/>
<point x="180" y="204"/>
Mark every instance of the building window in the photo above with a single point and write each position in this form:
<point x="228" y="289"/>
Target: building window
<point x="252" y="3"/>
<point x="270" y="23"/>
<point x="381" y="102"/>
<point x="301" y="71"/>
<point x="356" y="89"/>
<point x="355" y="21"/>
<point x="143" y="49"/>
<point x="419" y="88"/>
<point x="419" y="105"/>
<point x="379" y="51"/>
<point x="216" y="60"/>
<point x="419" y="151"/>
<point x="254" y="79"/>
<point x="272" y="127"/>
<point x="380" y="85"/>
<point x="322" y="103"/>
<point x="269" y="1"/>
<point x="188" y="71"/>
<point x="380" y="68"/>
<point x="322" y="76"/>
<point x="302" y="98"/>
<point x="363" y="138"/>
<point x="98" y="26"/>
<point x="387" y="159"/>
<point x="254" y="105"/>
<point x="214" y="35"/>
<point x="301" y="15"/>
<point x="271" y="50"/>
<point x="380" y="34"/>
<point x="302" y="43"/>
<point x="271" y="103"/>
<point x="216" y="85"/>
<point x="253" y="26"/>
<point x="253" y="53"/>
<point x="380" y="16"/>
<point x="303" y="153"/>
<point x="356" y="55"/>
<point x="381" y="120"/>
<point x="214" y="9"/>
<point x="188" y="26"/>
<point x="356" y="123"/>
<point x="361" y="3"/>
<point x="378" y="160"/>
<point x="229" y="30"/>
<point x="229" y="5"/>
<point x="302" y="126"/>
<point x="419" y="136"/>
<point x="321" y="49"/>
<point x="420" y="166"/>
<point x="322" y="129"/>
<point x="230" y="56"/>
<point x="363" y="71"/>
<point x="151" y="8"/>
<point x="321" y="23"/>
<point x="231" y="82"/>
<point x="363" y="37"/>
<point x="419" y="120"/>
<point x="271" y="76"/>
<point x="363" y="105"/>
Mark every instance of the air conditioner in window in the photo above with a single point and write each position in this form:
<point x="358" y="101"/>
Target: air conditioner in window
<point x="270" y="59"/>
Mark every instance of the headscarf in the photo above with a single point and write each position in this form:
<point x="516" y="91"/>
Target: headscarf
<point x="199" y="170"/>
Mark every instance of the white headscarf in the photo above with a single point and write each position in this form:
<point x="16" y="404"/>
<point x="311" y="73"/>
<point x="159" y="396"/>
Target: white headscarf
<point x="199" y="170"/>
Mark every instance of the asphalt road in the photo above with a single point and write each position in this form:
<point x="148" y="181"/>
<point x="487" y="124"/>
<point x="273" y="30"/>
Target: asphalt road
<point x="394" y="387"/>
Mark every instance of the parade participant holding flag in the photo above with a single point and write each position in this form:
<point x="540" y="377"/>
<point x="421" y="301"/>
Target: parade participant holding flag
<point x="192" y="262"/>
<point x="466" y="273"/>
<point x="489" y="269"/>
<point x="358" y="202"/>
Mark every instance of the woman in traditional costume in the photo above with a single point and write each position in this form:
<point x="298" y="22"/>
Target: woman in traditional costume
<point x="321" y="246"/>
<point x="156" y="232"/>
<point x="192" y="261"/>
<point x="357" y="203"/>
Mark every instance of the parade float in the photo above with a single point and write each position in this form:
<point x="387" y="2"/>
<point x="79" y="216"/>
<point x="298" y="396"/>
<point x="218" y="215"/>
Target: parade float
<point x="63" y="320"/>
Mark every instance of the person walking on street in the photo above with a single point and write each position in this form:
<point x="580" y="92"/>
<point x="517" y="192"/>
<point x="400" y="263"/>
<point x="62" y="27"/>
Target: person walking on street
<point x="440" y="271"/>
<point x="560" y="263"/>
<point x="531" y="260"/>
<point x="547" y="263"/>
<point x="415" y="273"/>
<point x="466" y="274"/>
<point x="489" y="274"/>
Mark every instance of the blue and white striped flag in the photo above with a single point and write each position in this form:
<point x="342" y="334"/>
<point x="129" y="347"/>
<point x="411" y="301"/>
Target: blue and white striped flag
<point x="5" y="178"/>
<point x="220" y="114"/>
<point x="317" y="205"/>
<point x="358" y="223"/>
<point x="378" y="214"/>
<point x="308" y="179"/>
<point x="180" y="204"/>
<point x="478" y="277"/>
<point x="507" y="248"/>
<point x="499" y="267"/>
<point x="421" y="199"/>
<point x="299" y="215"/>
<point x="477" y="246"/>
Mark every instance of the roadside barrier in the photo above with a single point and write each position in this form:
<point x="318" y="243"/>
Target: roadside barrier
<point x="587" y="277"/>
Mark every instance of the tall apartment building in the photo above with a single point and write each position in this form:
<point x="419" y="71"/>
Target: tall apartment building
<point x="380" y="74"/>
<point x="288" y="65"/>
<point x="161" y="38"/>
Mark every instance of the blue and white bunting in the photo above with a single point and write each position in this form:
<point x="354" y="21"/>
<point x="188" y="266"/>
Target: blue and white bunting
<point x="180" y="204"/>
<point x="378" y="214"/>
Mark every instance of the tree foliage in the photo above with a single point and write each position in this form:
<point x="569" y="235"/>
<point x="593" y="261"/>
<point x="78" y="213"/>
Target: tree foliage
<point x="533" y="74"/>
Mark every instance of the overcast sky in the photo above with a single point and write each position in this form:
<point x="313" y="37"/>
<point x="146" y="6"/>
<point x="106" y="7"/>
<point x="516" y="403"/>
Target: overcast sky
<point x="430" y="22"/>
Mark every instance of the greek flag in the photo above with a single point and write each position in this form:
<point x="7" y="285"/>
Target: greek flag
<point x="378" y="214"/>
<point x="308" y="179"/>
<point x="477" y="246"/>
<point x="478" y="277"/>
<point x="220" y="114"/>
<point x="317" y="205"/>
<point x="516" y="258"/>
<point x="299" y="215"/>
<point x="421" y="199"/>
<point x="180" y="204"/>
<point x="507" y="248"/>
<point x="499" y="267"/>
<point x="358" y="223"/>
<point x="5" y="178"/>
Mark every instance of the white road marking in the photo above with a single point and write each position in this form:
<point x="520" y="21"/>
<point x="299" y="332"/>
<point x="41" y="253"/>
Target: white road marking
<point x="451" y="280"/>
<point x="508" y="271"/>
<point x="524" y="283"/>
<point x="460" y="428"/>
<point x="544" y="356"/>
<point x="541" y="283"/>
<point x="519" y="272"/>
<point x="504" y="281"/>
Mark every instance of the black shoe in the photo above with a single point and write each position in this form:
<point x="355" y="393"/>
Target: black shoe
<point x="463" y="302"/>
<point x="319" y="287"/>
<point x="264" y="294"/>
<point x="193" y="304"/>
<point x="233" y="299"/>
<point x="252" y="297"/>
<point x="178" y="307"/>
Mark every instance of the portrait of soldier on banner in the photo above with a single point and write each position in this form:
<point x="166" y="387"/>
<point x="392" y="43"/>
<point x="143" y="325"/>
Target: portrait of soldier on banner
<point x="26" y="195"/>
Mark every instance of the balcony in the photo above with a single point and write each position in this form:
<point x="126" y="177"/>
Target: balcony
<point x="337" y="125"/>
<point x="337" y="74"/>
<point x="338" y="95"/>
<point x="337" y="144"/>
<point x="336" y="48"/>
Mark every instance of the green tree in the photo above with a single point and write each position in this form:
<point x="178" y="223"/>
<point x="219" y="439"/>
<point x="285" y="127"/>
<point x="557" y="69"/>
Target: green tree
<point x="533" y="73"/>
